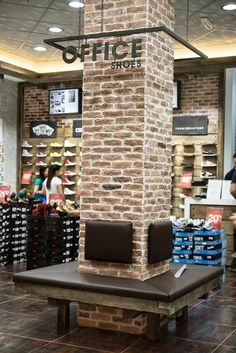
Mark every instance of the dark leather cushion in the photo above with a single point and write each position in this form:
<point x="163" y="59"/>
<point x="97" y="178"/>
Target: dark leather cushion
<point x="108" y="241"/>
<point x="164" y="287"/>
<point x="160" y="242"/>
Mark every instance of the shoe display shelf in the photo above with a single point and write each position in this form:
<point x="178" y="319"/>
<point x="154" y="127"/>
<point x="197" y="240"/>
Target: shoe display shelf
<point x="1" y="164"/>
<point x="195" y="154"/>
<point x="64" y="151"/>
<point x="52" y="240"/>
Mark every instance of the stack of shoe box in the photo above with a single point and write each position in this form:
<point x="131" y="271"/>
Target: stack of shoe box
<point x="52" y="240"/>
<point x="18" y="232"/>
<point x="5" y="241"/>
<point x="204" y="247"/>
<point x="210" y="247"/>
<point x="36" y="226"/>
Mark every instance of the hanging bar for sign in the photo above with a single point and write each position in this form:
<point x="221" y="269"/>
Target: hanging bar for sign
<point x="54" y="42"/>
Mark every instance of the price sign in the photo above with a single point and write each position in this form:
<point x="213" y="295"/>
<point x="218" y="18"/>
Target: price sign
<point x="214" y="215"/>
<point x="55" y="198"/>
<point x="186" y="180"/>
<point x="5" y="190"/>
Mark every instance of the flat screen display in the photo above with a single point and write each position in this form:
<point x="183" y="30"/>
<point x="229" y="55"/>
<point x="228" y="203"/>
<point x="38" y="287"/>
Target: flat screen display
<point x="65" y="101"/>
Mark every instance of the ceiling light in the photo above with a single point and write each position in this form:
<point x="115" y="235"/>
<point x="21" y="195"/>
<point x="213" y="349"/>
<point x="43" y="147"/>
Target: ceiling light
<point x="229" y="7"/>
<point x="207" y="23"/>
<point x="55" y="29"/>
<point x="76" y="4"/>
<point x="40" y="48"/>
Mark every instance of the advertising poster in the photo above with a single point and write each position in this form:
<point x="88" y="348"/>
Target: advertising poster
<point x="186" y="180"/>
<point x="215" y="215"/>
<point x="5" y="190"/>
<point x="64" y="101"/>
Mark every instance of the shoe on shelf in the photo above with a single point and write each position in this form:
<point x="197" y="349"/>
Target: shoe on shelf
<point x="27" y="164"/>
<point x="207" y="175"/>
<point x="69" y="154"/>
<point x="68" y="191"/>
<point x="181" y="206"/>
<point x="41" y="145"/>
<point x="56" y="163"/>
<point x="209" y="154"/>
<point x="68" y="163"/>
<point x="69" y="173"/>
<point x="66" y="181"/>
<point x="56" y="144"/>
<point x="41" y="164"/>
<point x="67" y="143"/>
<point x="208" y="164"/>
<point x="26" y="144"/>
<point x="70" y="202"/>
<point x="203" y="195"/>
<point x="27" y="154"/>
<point x="182" y="196"/>
<point x="55" y="154"/>
<point x="41" y="154"/>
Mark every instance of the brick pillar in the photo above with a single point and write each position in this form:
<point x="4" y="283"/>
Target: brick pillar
<point x="127" y="114"/>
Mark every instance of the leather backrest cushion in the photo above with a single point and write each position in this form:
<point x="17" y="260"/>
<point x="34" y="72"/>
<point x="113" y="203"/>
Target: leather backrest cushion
<point x="160" y="243"/>
<point x="108" y="241"/>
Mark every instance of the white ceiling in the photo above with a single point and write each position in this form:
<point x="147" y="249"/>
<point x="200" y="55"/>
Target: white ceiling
<point x="24" y="24"/>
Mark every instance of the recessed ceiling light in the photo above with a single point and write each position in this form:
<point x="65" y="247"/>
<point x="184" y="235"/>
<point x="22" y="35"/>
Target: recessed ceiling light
<point x="55" y="29"/>
<point x="40" y="48"/>
<point x="229" y="7"/>
<point x="76" y="4"/>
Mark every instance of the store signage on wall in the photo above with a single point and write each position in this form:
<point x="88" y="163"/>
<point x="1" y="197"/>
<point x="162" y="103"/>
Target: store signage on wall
<point x="215" y="215"/>
<point x="5" y="190"/>
<point x="117" y="51"/>
<point x="56" y="198"/>
<point x="26" y="177"/>
<point x="190" y="125"/>
<point x="47" y="129"/>
<point x="186" y="180"/>
<point x="77" y="128"/>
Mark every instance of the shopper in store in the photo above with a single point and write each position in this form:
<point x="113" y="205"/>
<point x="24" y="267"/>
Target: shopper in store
<point x="39" y="193"/>
<point x="53" y="183"/>
<point x="233" y="218"/>
<point x="229" y="175"/>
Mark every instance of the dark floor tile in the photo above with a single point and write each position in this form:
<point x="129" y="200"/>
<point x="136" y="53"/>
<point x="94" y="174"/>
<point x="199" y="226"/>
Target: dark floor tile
<point x="100" y="339"/>
<point x="225" y="349"/>
<point x="61" y="348"/>
<point x="27" y="306"/>
<point x="171" y="345"/>
<point x="10" y="289"/>
<point x="231" y="341"/>
<point x="200" y="330"/>
<point x="5" y="297"/>
<point x="227" y="292"/>
<point x="10" y="344"/>
<point x="223" y="314"/>
<point x="43" y="326"/>
<point x="6" y="277"/>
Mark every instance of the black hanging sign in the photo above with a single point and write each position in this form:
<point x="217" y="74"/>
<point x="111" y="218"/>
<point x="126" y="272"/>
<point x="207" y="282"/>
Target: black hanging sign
<point x="190" y="125"/>
<point x="43" y="129"/>
<point x="77" y="128"/>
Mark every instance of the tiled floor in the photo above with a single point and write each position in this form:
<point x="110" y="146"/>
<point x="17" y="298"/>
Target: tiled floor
<point x="28" y="324"/>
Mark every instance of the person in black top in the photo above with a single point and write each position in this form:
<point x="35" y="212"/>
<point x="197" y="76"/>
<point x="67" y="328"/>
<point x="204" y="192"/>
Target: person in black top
<point x="229" y="175"/>
<point x="233" y="218"/>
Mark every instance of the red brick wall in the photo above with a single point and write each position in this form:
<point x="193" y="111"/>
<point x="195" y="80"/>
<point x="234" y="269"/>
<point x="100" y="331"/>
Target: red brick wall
<point x="36" y="108"/>
<point x="199" y="95"/>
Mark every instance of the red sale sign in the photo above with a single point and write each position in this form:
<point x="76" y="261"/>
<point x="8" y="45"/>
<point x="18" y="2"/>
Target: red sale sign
<point x="186" y="180"/>
<point x="55" y="198"/>
<point x="5" y="190"/>
<point x="26" y="177"/>
<point x="214" y="215"/>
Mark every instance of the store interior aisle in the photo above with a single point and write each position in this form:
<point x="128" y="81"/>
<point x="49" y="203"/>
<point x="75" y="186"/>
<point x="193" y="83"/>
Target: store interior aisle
<point x="28" y="324"/>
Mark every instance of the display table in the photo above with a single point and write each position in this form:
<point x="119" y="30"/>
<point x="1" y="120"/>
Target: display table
<point x="195" y="208"/>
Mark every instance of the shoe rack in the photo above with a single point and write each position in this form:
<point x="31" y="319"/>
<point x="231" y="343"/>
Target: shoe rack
<point x="1" y="164"/>
<point x="197" y="155"/>
<point x="54" y="152"/>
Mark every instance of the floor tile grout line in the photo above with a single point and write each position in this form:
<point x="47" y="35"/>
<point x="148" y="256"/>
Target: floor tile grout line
<point x="191" y="340"/>
<point x="11" y="300"/>
<point x="31" y="338"/>
<point x="223" y="341"/>
<point x="131" y="346"/>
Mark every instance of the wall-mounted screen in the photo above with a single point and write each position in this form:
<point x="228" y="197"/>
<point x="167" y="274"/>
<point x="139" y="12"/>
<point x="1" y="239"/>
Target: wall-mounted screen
<point x="65" y="101"/>
<point x="176" y="95"/>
